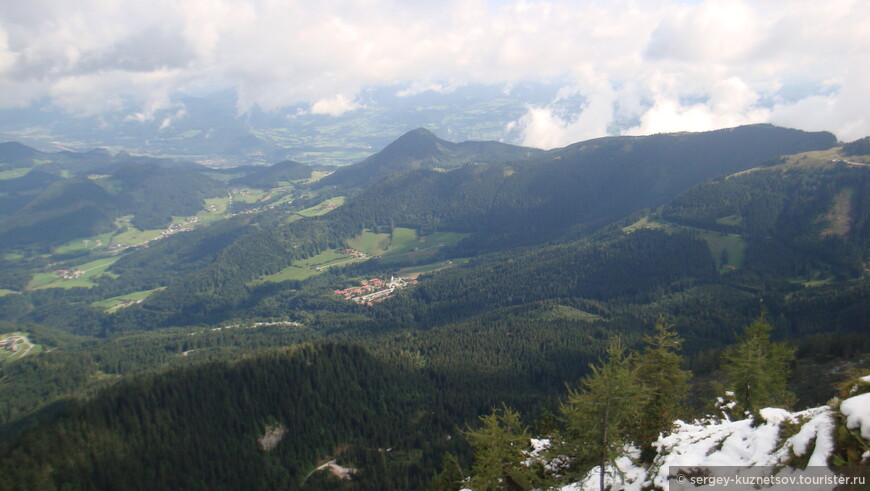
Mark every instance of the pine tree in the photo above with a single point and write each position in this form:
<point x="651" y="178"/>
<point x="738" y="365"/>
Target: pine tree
<point x="665" y="384"/>
<point x="757" y="369"/>
<point x="500" y="447"/>
<point x="600" y="417"/>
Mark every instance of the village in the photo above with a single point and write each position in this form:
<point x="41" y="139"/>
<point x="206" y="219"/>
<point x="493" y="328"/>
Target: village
<point x="374" y="290"/>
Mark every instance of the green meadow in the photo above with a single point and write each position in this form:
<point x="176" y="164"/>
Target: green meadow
<point x="91" y="271"/>
<point x="322" y="208"/>
<point x="727" y="250"/>
<point x="110" y="305"/>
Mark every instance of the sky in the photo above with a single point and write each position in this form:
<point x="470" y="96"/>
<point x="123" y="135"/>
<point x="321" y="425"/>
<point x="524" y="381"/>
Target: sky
<point x="662" y="66"/>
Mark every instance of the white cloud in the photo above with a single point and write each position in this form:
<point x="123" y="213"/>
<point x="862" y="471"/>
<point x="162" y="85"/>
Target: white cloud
<point x="335" y="106"/>
<point x="730" y="102"/>
<point x="651" y="66"/>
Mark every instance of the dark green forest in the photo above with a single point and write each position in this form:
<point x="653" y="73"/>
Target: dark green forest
<point x="554" y="254"/>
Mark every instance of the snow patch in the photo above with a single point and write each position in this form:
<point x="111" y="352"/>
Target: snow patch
<point x="857" y="412"/>
<point x="273" y="436"/>
<point x="343" y="473"/>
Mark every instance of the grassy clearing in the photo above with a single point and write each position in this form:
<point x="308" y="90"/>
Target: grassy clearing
<point x="14" y="173"/>
<point x="114" y="304"/>
<point x="406" y="244"/>
<point x="286" y="192"/>
<point x="129" y="237"/>
<point x="93" y="243"/>
<point x="402" y="241"/>
<point x="248" y="195"/>
<point x="4" y="292"/>
<point x="400" y="244"/>
<point x="289" y="273"/>
<point x="558" y="312"/>
<point x="217" y="206"/>
<point x="325" y="258"/>
<point x="90" y="271"/>
<point x="307" y="268"/>
<point x="322" y="208"/>
<point x="134" y="236"/>
<point x="644" y="223"/>
<point x="414" y="271"/>
<point x="371" y="243"/>
<point x="734" y="220"/>
<point x="316" y="176"/>
<point x="728" y="250"/>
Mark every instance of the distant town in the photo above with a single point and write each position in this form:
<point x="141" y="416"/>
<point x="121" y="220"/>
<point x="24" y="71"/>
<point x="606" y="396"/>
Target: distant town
<point x="374" y="290"/>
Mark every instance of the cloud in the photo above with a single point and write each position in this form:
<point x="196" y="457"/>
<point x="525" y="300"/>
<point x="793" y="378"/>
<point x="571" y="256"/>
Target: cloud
<point x="729" y="102"/>
<point x="632" y="65"/>
<point x="557" y="124"/>
<point x="335" y="106"/>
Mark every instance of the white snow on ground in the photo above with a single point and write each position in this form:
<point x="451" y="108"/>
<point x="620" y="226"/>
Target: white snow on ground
<point x="627" y="475"/>
<point x="740" y="444"/>
<point x="857" y="412"/>
<point x="714" y="442"/>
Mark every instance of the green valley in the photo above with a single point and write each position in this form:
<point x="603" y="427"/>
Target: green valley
<point x="427" y="284"/>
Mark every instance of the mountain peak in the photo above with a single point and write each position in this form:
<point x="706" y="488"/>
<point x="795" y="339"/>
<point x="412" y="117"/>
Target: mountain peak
<point x="419" y="142"/>
<point x="12" y="151"/>
<point x="419" y="133"/>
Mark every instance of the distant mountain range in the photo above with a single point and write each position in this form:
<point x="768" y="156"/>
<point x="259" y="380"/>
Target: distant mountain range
<point x="208" y="127"/>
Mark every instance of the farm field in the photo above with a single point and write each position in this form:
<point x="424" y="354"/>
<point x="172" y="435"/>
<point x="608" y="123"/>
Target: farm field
<point x="306" y="268"/>
<point x="93" y="243"/>
<point x="89" y="271"/>
<point x="406" y="244"/>
<point x="322" y="208"/>
<point x="134" y="236"/>
<point x="402" y="243"/>
<point x="114" y="304"/>
<point x="414" y="271"/>
<point x="215" y="209"/>
<point x="371" y="243"/>
<point x="289" y="273"/>
<point x="249" y="195"/>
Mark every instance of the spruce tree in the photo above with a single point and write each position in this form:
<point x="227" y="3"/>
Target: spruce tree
<point x="500" y="447"/>
<point x="600" y="416"/>
<point x="665" y="384"/>
<point x="757" y="369"/>
<point x="451" y="475"/>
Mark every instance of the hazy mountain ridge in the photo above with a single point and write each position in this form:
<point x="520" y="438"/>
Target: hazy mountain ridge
<point x="421" y="149"/>
<point x="92" y="189"/>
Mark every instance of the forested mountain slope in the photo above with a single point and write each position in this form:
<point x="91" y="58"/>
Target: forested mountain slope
<point x="206" y="428"/>
<point x="503" y="205"/>
<point x="525" y="269"/>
